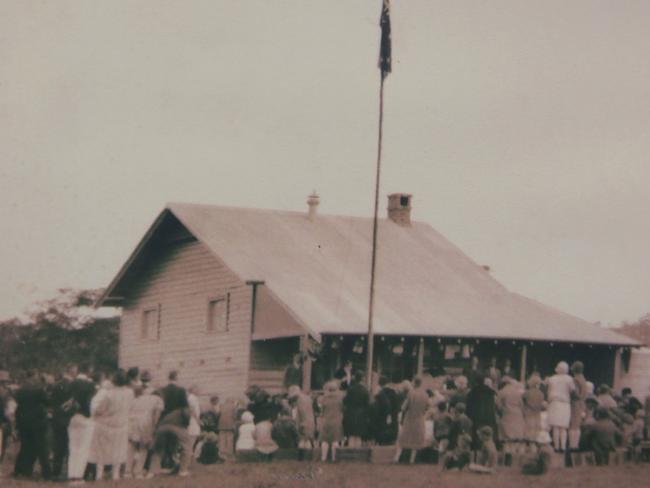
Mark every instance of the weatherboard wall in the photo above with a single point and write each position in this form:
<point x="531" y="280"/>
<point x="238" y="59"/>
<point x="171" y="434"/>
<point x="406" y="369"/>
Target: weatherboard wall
<point x="637" y="375"/>
<point x="179" y="279"/>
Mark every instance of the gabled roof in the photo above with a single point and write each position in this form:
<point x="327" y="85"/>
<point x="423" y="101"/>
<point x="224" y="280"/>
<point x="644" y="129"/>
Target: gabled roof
<point x="320" y="270"/>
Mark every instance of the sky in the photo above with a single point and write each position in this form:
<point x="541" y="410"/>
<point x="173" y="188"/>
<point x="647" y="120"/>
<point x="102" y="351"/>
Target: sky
<point x="521" y="128"/>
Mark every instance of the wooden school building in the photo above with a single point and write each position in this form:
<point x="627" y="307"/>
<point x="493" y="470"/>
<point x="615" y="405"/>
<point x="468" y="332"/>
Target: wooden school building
<point x="226" y="296"/>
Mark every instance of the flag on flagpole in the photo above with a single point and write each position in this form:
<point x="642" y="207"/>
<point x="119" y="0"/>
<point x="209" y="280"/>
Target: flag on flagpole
<point x="385" y="46"/>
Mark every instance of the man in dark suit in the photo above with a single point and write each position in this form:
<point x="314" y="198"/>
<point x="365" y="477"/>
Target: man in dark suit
<point x="175" y="398"/>
<point x="385" y="413"/>
<point x="31" y="423"/>
<point x="60" y="397"/>
<point x="172" y="429"/>
<point x="293" y="373"/>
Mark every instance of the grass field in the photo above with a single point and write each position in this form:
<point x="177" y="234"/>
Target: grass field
<point x="354" y="475"/>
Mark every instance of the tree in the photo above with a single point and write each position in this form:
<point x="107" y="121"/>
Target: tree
<point x="62" y="330"/>
<point x="639" y="330"/>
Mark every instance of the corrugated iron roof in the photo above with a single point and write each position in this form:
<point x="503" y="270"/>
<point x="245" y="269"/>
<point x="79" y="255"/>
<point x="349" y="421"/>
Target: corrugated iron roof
<point x="425" y="286"/>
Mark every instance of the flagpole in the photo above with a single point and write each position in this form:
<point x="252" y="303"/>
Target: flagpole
<point x="384" y="68"/>
<point x="373" y="264"/>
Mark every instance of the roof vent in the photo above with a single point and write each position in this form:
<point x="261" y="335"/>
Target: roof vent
<point x="399" y="208"/>
<point x="313" y="201"/>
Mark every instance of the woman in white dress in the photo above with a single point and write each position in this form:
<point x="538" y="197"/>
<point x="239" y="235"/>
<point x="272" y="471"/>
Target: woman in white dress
<point x="246" y="439"/>
<point x="81" y="427"/>
<point x="110" y="412"/>
<point x="560" y="388"/>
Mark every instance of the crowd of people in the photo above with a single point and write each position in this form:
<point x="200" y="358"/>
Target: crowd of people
<point x="81" y="428"/>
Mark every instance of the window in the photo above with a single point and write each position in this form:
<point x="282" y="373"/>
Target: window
<point x="150" y="326"/>
<point x="218" y="314"/>
<point x="404" y="201"/>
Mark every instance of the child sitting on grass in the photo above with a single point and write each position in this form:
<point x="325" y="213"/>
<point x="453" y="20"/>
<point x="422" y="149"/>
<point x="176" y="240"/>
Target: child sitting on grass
<point x="246" y="437"/>
<point x="264" y="443"/>
<point x="459" y="457"/>
<point x="600" y="437"/>
<point x="486" y="457"/>
<point x="539" y="462"/>
<point x="207" y="448"/>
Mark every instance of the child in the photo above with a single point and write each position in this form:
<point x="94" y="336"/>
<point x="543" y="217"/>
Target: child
<point x="285" y="431"/>
<point x="600" y="436"/>
<point x="264" y="443"/>
<point x="539" y="462"/>
<point x="210" y="418"/>
<point x="208" y="447"/>
<point x="459" y="457"/>
<point x="486" y="459"/>
<point x="461" y="424"/>
<point x="442" y="426"/>
<point x="246" y="437"/>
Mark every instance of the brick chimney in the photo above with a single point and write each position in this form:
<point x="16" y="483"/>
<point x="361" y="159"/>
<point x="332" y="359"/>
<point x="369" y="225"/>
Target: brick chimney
<point x="399" y="208"/>
<point x="313" y="201"/>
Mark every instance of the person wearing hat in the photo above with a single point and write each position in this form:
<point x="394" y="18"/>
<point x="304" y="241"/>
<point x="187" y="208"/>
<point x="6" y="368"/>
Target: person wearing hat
<point x="605" y="398"/>
<point x="578" y="406"/>
<point x="227" y="419"/>
<point x="459" y="395"/>
<point x="472" y="371"/>
<point x="143" y="418"/>
<point x="304" y="416"/>
<point x="600" y="436"/>
<point x="264" y="443"/>
<point x="293" y="372"/>
<point x="356" y="411"/>
<point x="560" y="388"/>
<point x="413" y="411"/>
<point x="534" y="404"/>
<point x="511" y="407"/>
<point x="461" y="424"/>
<point x="481" y="406"/>
<point x="493" y="372"/>
<point x="385" y="412"/>
<point x="246" y="437"/>
<point x="285" y="431"/>
<point x="31" y="424"/>
<point x="331" y="431"/>
<point x="81" y="426"/>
